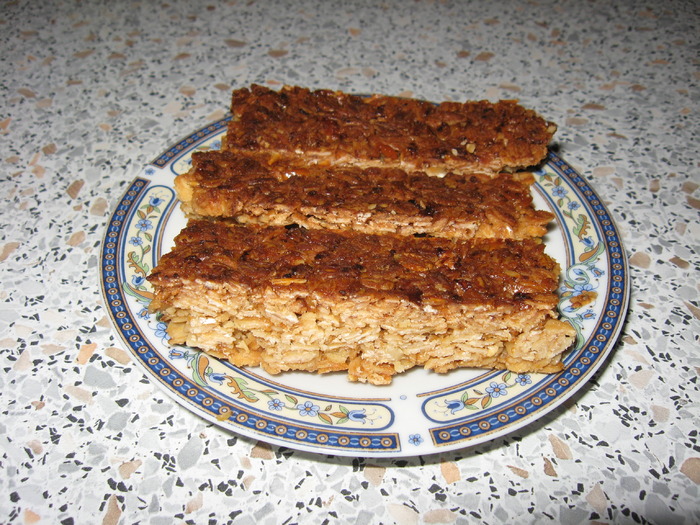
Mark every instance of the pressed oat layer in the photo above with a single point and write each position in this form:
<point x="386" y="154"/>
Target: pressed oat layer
<point x="374" y="305"/>
<point x="334" y="127"/>
<point x="263" y="190"/>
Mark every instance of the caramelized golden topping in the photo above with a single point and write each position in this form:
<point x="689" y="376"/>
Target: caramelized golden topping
<point x="337" y="265"/>
<point x="256" y="189"/>
<point x="331" y="126"/>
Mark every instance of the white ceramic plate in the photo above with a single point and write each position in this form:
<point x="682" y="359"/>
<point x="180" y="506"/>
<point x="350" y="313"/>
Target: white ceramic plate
<point x="420" y="412"/>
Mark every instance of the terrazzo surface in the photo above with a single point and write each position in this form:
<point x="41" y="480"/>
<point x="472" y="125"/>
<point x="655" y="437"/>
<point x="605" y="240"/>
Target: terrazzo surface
<point x="91" y="91"/>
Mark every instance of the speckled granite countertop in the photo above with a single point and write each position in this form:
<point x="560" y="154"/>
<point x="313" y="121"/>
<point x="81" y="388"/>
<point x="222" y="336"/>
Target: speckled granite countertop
<point x="93" y="90"/>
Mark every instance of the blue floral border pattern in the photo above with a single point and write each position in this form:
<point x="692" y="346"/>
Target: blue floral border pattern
<point x="578" y="291"/>
<point x="461" y="403"/>
<point x="190" y="142"/>
<point x="290" y="405"/>
<point x="583" y="276"/>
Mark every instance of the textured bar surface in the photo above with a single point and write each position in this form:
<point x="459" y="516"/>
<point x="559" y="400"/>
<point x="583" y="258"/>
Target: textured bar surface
<point x="374" y="305"/>
<point x="263" y="190"/>
<point x="334" y="127"/>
